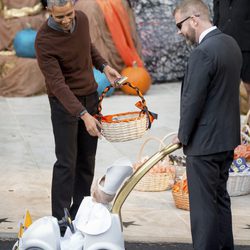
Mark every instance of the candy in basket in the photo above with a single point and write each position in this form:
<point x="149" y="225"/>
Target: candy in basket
<point x="180" y="193"/>
<point x="126" y="126"/>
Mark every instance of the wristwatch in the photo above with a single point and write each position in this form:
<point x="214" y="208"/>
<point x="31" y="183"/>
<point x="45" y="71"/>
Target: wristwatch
<point x="83" y="112"/>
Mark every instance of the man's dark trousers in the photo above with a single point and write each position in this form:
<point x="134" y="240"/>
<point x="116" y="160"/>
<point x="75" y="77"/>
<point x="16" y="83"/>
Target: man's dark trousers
<point x="75" y="152"/>
<point x="210" y="207"/>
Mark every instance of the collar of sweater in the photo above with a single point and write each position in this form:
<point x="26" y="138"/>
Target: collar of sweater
<point x="54" y="25"/>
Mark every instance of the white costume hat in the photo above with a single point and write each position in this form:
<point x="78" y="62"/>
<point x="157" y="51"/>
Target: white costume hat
<point x="94" y="218"/>
<point x="115" y="175"/>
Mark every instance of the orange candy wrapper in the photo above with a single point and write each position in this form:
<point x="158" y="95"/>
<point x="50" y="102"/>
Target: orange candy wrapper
<point x="180" y="186"/>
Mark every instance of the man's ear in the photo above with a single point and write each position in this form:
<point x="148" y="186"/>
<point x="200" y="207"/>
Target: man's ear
<point x="49" y="10"/>
<point x="193" y="23"/>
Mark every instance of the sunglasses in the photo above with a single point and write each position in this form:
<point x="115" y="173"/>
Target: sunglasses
<point x="179" y="25"/>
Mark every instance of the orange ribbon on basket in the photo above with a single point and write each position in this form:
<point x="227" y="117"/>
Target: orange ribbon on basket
<point x="139" y="104"/>
<point x="151" y="116"/>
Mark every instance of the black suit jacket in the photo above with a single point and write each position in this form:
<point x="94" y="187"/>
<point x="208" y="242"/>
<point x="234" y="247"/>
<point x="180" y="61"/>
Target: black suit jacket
<point x="233" y="18"/>
<point x="209" y="115"/>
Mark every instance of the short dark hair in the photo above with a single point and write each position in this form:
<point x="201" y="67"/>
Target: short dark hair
<point x="193" y="7"/>
<point x="52" y="3"/>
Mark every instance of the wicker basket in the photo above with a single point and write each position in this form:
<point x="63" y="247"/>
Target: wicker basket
<point x="181" y="198"/>
<point x="154" y="182"/>
<point x="238" y="184"/>
<point x="125" y="126"/>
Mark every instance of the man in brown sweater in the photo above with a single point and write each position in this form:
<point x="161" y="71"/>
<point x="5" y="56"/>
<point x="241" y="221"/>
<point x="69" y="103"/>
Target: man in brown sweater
<point x="66" y="57"/>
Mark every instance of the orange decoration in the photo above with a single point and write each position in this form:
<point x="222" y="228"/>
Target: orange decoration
<point x="139" y="77"/>
<point x="242" y="151"/>
<point x="180" y="186"/>
<point x="118" y="23"/>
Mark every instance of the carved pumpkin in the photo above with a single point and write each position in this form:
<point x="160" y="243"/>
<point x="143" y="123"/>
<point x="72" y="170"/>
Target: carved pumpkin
<point x="139" y="77"/>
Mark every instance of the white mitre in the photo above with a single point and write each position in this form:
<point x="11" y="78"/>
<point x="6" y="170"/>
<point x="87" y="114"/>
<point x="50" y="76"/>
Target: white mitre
<point x="94" y="218"/>
<point x="115" y="176"/>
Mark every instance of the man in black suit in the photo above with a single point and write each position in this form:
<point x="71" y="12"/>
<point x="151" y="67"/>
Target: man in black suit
<point x="209" y="128"/>
<point x="233" y="18"/>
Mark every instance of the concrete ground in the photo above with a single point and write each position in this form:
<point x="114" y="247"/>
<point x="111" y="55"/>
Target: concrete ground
<point x="8" y="244"/>
<point x="27" y="157"/>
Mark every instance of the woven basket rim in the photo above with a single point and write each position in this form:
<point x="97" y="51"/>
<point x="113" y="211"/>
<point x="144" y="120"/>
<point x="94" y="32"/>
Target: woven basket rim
<point x="238" y="184"/>
<point x="140" y="116"/>
<point x="180" y="193"/>
<point x="239" y="174"/>
<point x="154" y="182"/>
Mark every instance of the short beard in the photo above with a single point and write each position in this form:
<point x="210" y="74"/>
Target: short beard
<point x="190" y="39"/>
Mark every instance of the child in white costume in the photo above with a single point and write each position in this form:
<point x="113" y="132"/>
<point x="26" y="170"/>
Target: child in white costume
<point x="93" y="216"/>
<point x="94" y="226"/>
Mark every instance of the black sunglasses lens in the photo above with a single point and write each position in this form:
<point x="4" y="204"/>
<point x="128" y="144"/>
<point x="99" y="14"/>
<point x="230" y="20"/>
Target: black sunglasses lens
<point x="179" y="25"/>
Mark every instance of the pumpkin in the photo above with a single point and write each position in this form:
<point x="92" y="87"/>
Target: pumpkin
<point x="24" y="42"/>
<point x="139" y="77"/>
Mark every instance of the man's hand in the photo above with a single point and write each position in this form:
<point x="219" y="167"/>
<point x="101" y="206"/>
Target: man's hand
<point x="92" y="125"/>
<point x="111" y="74"/>
<point x="176" y="140"/>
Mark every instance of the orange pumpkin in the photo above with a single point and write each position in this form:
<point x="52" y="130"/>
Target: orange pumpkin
<point x="139" y="77"/>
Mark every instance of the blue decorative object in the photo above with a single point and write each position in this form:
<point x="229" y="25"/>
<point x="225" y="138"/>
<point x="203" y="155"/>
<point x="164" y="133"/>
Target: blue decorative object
<point x="102" y="82"/>
<point x="24" y="42"/>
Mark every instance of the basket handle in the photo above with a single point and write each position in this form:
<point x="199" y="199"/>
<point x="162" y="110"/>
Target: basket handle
<point x="151" y="138"/>
<point x="143" y="105"/>
<point x="126" y="83"/>
<point x="166" y="137"/>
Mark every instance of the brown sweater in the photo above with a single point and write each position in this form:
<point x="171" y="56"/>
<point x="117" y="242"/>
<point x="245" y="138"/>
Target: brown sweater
<point x="66" y="61"/>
